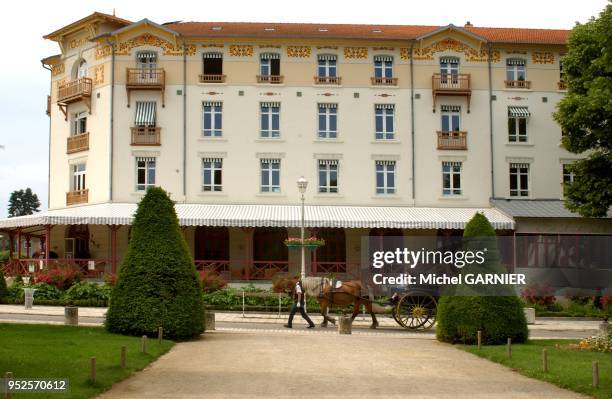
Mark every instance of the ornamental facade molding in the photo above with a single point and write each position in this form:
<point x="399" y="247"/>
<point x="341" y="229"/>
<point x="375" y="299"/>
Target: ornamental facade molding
<point x="241" y="50"/>
<point x="470" y="54"/>
<point x="299" y="51"/>
<point x="542" y="57"/>
<point x="58" y="69"/>
<point x="355" y="52"/>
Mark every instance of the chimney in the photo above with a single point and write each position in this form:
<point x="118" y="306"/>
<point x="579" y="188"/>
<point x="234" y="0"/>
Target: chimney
<point x="468" y="24"/>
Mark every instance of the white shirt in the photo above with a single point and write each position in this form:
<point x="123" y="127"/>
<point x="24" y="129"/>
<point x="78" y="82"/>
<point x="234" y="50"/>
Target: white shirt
<point x="298" y="288"/>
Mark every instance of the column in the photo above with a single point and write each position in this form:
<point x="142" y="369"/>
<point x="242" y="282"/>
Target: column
<point x="113" y="231"/>
<point x="248" y="250"/>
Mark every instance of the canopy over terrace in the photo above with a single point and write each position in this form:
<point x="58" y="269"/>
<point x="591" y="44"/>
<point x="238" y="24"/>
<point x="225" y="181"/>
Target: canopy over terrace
<point x="243" y="216"/>
<point x="269" y="216"/>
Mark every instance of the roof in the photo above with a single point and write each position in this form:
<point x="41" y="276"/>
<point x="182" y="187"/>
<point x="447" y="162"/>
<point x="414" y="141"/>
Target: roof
<point x="272" y="216"/>
<point x="545" y="208"/>
<point x="354" y="31"/>
<point x="96" y="16"/>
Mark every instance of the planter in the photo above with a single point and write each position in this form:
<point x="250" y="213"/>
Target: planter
<point x="345" y="325"/>
<point x="71" y="316"/>
<point x="307" y="246"/>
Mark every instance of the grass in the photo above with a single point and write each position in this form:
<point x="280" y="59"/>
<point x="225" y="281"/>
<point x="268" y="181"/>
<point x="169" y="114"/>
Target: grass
<point x="567" y="368"/>
<point x="35" y="351"/>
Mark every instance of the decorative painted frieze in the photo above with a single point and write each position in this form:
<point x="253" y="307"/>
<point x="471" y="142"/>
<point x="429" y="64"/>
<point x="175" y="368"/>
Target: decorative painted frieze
<point x="146" y="39"/>
<point x="241" y="50"/>
<point x="542" y="57"/>
<point x="213" y="93"/>
<point x="98" y="75"/>
<point x="298" y="51"/>
<point x="58" y="69"/>
<point x="404" y="53"/>
<point x="471" y="54"/>
<point x="269" y="93"/>
<point x="355" y="52"/>
<point x="103" y="51"/>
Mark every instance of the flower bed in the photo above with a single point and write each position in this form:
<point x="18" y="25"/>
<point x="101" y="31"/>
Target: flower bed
<point x="79" y="294"/>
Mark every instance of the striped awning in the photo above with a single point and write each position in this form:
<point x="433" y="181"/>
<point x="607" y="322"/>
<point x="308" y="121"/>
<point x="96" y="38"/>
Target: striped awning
<point x="146" y="55"/>
<point x="381" y="58"/>
<point x="212" y="103"/>
<point x="384" y="106"/>
<point x="515" y="61"/>
<point x="385" y="162"/>
<point x="272" y="216"/>
<point x="519" y="165"/>
<point x="145" y="113"/>
<point x="328" y="162"/>
<point x="451" y="163"/>
<point x="328" y="105"/>
<point x="269" y="104"/>
<point x="449" y="60"/>
<point x="211" y="159"/>
<point x="212" y="55"/>
<point x="270" y="160"/>
<point x="518" y="112"/>
<point x="327" y="57"/>
<point x="450" y="108"/>
<point x="270" y="56"/>
<point x="145" y="159"/>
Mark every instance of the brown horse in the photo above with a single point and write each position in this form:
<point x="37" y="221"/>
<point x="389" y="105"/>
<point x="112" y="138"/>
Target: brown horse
<point x="348" y="293"/>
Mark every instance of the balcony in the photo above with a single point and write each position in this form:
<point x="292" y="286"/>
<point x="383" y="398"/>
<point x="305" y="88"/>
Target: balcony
<point x="72" y="92"/>
<point x="77" y="197"/>
<point x="273" y="79"/>
<point x="77" y="143"/>
<point x="451" y="85"/>
<point x="145" y="79"/>
<point x="380" y="81"/>
<point x="561" y="85"/>
<point x="518" y="84"/>
<point x="209" y="78"/>
<point x="327" y="80"/>
<point x="454" y="140"/>
<point x="146" y="135"/>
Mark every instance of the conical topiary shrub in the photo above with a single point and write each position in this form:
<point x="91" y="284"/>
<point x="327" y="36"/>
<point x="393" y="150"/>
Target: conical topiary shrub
<point x="157" y="284"/>
<point x="460" y="317"/>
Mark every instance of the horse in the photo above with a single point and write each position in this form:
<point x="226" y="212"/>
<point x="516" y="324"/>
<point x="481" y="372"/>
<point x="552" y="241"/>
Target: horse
<point x="349" y="292"/>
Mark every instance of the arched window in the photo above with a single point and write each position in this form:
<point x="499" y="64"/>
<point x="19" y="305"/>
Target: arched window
<point x="211" y="243"/>
<point x="79" y="69"/>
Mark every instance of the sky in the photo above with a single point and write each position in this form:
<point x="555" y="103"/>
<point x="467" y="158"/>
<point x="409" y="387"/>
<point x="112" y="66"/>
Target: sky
<point x="24" y="84"/>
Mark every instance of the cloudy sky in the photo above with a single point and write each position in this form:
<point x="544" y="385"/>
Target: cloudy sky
<point x="24" y="83"/>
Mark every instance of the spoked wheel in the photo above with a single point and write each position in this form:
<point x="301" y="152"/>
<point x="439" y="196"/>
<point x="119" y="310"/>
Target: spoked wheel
<point x="416" y="311"/>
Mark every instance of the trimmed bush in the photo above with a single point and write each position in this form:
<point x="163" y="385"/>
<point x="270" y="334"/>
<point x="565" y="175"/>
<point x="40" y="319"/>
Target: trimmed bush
<point x="46" y="291"/>
<point x="498" y="317"/>
<point x="3" y="288"/>
<point x="157" y="284"/>
<point x="88" y="291"/>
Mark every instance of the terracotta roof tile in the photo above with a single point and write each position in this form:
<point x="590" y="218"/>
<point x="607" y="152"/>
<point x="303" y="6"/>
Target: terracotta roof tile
<point x="352" y="31"/>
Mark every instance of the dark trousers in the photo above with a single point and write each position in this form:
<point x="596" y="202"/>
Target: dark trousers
<point x="294" y="310"/>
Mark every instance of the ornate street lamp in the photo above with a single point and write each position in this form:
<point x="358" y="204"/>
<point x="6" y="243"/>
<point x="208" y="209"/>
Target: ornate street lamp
<point x="302" y="185"/>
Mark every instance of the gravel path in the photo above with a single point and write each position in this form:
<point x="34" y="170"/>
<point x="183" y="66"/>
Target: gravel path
<point x="296" y="364"/>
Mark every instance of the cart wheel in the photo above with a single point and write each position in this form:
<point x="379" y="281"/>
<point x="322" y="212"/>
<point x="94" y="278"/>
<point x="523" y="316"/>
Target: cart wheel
<point x="416" y="311"/>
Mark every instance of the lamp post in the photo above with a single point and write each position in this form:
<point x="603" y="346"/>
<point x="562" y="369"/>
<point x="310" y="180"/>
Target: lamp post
<point x="302" y="184"/>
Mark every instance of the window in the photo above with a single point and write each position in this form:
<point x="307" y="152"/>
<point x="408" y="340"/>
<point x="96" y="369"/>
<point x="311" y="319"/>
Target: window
<point x="327" y="66"/>
<point x="147" y="62"/>
<point x="145" y="173"/>
<point x="328" y="176"/>
<point x="519" y="179"/>
<point x="270" y="64"/>
<point x="450" y="118"/>
<point x="384" y="121"/>
<point x="270" y="175"/>
<point x="213" y="63"/>
<point x="79" y="123"/>
<point x="383" y="66"/>
<point x="568" y="177"/>
<point x="561" y="71"/>
<point x="515" y="69"/>
<point x="517" y="124"/>
<point x="385" y="177"/>
<point x="270" y="117"/>
<point x="212" y="174"/>
<point x="79" y="172"/>
<point x="328" y="121"/>
<point x="212" y="112"/>
<point x="449" y="70"/>
<point x="451" y="178"/>
<point x="81" y="69"/>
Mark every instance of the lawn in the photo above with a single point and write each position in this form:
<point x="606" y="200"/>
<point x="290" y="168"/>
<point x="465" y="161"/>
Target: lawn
<point x="34" y="351"/>
<point x="568" y="368"/>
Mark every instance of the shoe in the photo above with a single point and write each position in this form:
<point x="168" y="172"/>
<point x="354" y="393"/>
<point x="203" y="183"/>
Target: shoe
<point x="287" y="326"/>
<point x="311" y="326"/>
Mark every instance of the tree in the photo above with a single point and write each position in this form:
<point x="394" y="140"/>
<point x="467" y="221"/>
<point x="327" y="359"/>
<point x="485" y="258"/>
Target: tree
<point x="23" y="202"/>
<point x="585" y="115"/>
<point x="459" y="317"/>
<point x="157" y="284"/>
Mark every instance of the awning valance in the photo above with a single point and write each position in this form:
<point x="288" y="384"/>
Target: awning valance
<point x="212" y="55"/>
<point x="327" y="57"/>
<point x="384" y="106"/>
<point x="380" y="58"/>
<point x="270" y="104"/>
<point x="449" y="60"/>
<point x="146" y="55"/>
<point x="272" y="216"/>
<point x="518" y="112"/>
<point x="328" y="105"/>
<point x="450" y="108"/>
<point x="145" y="113"/>
<point x="515" y="61"/>
<point x="270" y="56"/>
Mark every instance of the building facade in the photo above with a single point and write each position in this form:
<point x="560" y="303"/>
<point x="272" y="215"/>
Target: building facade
<point x="398" y="129"/>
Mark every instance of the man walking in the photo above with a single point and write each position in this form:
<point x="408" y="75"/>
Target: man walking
<point x="298" y="304"/>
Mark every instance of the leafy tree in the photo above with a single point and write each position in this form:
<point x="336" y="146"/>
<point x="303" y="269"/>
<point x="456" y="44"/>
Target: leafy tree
<point x="23" y="202"/>
<point x="460" y="317"/>
<point x="585" y="115"/>
<point x="157" y="284"/>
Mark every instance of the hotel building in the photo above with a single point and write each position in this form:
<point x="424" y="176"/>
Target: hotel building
<point x="399" y="130"/>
